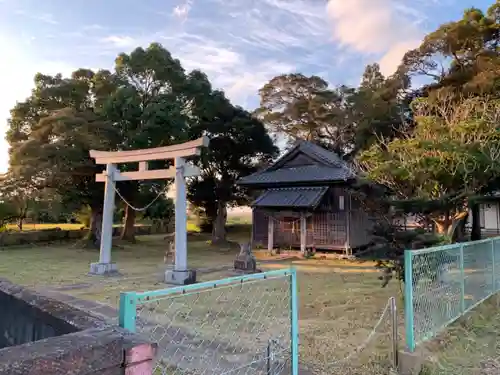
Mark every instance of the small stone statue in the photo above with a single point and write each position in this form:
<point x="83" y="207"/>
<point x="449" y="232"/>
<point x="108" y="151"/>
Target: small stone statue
<point x="245" y="260"/>
<point x="170" y="252"/>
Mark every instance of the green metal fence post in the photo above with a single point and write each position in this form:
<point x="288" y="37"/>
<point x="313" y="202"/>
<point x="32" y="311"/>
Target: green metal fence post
<point x="128" y="310"/>
<point x="409" y="322"/>
<point x="295" y="323"/>
<point x="493" y="271"/>
<point x="462" y="280"/>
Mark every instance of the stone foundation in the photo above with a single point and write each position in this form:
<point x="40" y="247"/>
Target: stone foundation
<point x="105" y="269"/>
<point x="180" y="277"/>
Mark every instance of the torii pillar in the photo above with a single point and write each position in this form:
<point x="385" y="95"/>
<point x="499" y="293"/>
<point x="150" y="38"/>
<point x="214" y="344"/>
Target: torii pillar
<point x="179" y="153"/>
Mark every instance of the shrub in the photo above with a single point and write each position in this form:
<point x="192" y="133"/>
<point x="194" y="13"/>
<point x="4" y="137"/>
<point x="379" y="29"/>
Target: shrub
<point x="83" y="216"/>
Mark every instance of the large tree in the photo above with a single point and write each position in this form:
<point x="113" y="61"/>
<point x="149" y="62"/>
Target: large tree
<point x="147" y="102"/>
<point x="302" y="107"/>
<point x="51" y="133"/>
<point x="147" y="110"/>
<point x="461" y="55"/>
<point x="238" y="142"/>
<point x="461" y="58"/>
<point x="343" y="119"/>
<point x="380" y="107"/>
<point x="452" y="155"/>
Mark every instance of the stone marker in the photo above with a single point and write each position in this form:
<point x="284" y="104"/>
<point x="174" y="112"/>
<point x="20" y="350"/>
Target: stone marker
<point x="170" y="252"/>
<point x="245" y="260"/>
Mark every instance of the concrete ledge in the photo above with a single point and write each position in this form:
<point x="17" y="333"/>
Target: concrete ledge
<point x="82" y="352"/>
<point x="410" y="363"/>
<point x="180" y="277"/>
<point x="79" y="343"/>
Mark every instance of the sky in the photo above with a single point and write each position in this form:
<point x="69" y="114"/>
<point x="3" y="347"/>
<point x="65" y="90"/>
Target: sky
<point x="239" y="44"/>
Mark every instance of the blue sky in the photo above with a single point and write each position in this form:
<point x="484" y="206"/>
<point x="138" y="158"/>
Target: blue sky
<point x="240" y="44"/>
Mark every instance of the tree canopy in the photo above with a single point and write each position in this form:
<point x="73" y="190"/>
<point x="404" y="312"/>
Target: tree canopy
<point x="239" y="142"/>
<point x="343" y="119"/>
<point x="452" y="154"/>
<point x="147" y="101"/>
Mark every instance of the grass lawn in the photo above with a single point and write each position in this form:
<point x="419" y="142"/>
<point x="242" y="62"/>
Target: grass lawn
<point x="339" y="302"/>
<point x="469" y="346"/>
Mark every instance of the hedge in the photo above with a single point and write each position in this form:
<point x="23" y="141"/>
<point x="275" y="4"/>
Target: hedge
<point x="50" y="235"/>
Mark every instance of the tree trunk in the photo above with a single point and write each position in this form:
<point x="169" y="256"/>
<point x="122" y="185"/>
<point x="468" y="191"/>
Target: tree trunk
<point x="128" y="230"/>
<point x="20" y="224"/>
<point x="451" y="225"/>
<point x="475" y="233"/>
<point x="219" y="224"/>
<point x="442" y="225"/>
<point x="93" y="238"/>
<point x="457" y="228"/>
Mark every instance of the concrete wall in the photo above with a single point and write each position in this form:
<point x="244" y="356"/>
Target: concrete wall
<point x="57" y="339"/>
<point x="21" y="323"/>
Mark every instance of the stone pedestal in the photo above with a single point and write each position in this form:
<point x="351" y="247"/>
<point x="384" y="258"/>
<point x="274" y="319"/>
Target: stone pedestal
<point x="103" y="269"/>
<point x="180" y="277"/>
<point x="245" y="261"/>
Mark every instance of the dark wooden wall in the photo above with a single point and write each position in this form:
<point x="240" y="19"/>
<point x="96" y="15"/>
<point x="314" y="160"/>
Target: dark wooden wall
<point x="327" y="226"/>
<point x="325" y="230"/>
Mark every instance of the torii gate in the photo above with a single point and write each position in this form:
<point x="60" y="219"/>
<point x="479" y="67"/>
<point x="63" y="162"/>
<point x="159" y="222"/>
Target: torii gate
<point x="180" y="274"/>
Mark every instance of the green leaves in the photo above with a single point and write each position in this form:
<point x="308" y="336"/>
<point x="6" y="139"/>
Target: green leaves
<point x="460" y="56"/>
<point x="343" y="119"/>
<point x="453" y="154"/>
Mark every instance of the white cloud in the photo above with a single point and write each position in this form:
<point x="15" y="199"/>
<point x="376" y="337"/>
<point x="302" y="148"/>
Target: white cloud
<point x="227" y="68"/>
<point x="119" y="41"/>
<point x="243" y="44"/>
<point x="240" y="44"/>
<point x="375" y="27"/>
<point x="93" y="27"/>
<point x="42" y="17"/>
<point x="182" y="10"/>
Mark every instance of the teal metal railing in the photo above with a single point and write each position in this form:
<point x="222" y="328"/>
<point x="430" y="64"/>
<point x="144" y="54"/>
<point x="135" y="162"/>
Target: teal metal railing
<point x="237" y="325"/>
<point x="443" y="283"/>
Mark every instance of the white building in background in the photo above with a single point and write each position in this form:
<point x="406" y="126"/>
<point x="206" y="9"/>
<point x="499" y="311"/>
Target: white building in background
<point x="490" y="217"/>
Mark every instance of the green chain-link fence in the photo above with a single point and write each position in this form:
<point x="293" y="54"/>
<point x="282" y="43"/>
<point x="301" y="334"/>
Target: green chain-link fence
<point x="443" y="283"/>
<point x="233" y="326"/>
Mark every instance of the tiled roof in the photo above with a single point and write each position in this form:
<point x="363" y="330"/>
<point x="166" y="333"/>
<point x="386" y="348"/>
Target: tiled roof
<point x="326" y="156"/>
<point x="329" y="168"/>
<point x="313" y="173"/>
<point x="291" y="197"/>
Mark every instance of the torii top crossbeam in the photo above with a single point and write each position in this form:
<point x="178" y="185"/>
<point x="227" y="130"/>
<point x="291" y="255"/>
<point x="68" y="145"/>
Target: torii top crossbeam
<point x="182" y="150"/>
<point x="181" y="169"/>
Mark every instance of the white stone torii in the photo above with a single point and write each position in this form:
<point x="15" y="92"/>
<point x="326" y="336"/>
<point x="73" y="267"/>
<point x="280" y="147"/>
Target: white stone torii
<point x="181" y="169"/>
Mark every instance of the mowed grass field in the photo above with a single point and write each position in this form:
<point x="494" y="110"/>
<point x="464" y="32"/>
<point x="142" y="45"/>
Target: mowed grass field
<point x="470" y="346"/>
<point x="339" y="301"/>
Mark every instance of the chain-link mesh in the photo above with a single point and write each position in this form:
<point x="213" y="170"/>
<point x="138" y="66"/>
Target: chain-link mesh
<point x="443" y="283"/>
<point x="470" y="346"/>
<point x="346" y="324"/>
<point x="241" y="327"/>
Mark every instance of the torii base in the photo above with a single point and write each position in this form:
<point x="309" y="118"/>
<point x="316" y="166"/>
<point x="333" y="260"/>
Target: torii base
<point x="104" y="269"/>
<point x="180" y="277"/>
